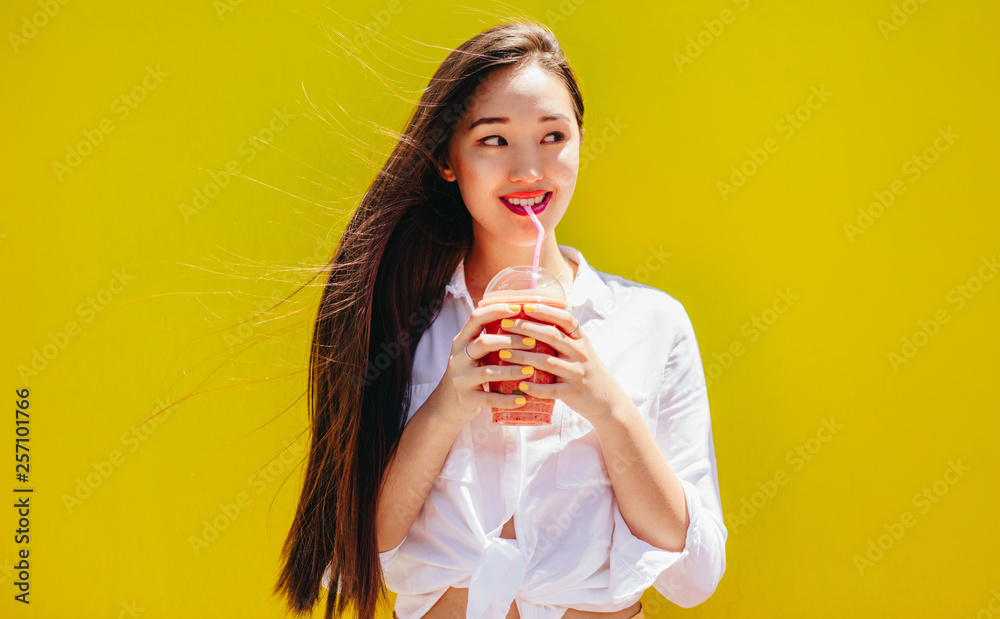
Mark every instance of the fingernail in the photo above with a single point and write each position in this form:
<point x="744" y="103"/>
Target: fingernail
<point x="521" y="400"/>
<point x="523" y="386"/>
<point x="505" y="354"/>
<point x="514" y="308"/>
<point x="527" y="370"/>
<point x="506" y="322"/>
<point x="529" y="308"/>
<point x="529" y="341"/>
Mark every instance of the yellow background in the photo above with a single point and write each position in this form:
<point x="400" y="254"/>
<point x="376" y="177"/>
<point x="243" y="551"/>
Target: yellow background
<point x="185" y="318"/>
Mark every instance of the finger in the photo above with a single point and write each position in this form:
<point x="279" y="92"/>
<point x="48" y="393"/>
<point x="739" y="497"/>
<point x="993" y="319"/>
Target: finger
<point x="553" y="315"/>
<point x="502" y="400"/>
<point x="550" y="334"/>
<point x="549" y="391"/>
<point x="498" y="341"/>
<point x="497" y="400"/>
<point x="482" y="376"/>
<point x="540" y="361"/>
<point x="486" y="343"/>
<point x="480" y="317"/>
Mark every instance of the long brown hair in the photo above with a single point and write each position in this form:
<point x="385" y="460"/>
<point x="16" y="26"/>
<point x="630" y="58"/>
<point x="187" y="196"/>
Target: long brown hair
<point x="385" y="286"/>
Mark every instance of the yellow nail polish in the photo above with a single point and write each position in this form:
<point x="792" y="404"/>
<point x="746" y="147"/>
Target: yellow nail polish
<point x="529" y="308"/>
<point x="521" y="400"/>
<point x="514" y="308"/>
<point x="529" y="341"/>
<point x="527" y="370"/>
<point x="506" y="322"/>
<point x="523" y="386"/>
<point x="505" y="354"/>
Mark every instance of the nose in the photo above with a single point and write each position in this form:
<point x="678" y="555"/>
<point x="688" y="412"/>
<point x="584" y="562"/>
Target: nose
<point x="526" y="167"/>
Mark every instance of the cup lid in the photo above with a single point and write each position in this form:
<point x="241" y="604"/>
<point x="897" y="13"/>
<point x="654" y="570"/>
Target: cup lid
<point x="518" y="279"/>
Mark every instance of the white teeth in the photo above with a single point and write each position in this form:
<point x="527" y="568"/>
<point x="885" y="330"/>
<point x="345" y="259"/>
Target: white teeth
<point x="527" y="201"/>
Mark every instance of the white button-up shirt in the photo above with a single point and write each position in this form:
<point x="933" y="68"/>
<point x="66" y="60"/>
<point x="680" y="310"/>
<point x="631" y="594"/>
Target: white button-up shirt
<point x="573" y="548"/>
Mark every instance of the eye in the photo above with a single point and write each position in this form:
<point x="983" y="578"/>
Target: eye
<point x="483" y="141"/>
<point x="560" y="134"/>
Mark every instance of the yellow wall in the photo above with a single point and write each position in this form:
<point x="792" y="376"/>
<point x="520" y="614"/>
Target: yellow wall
<point x="127" y="291"/>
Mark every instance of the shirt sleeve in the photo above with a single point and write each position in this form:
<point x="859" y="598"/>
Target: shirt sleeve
<point x="683" y="432"/>
<point x="389" y="556"/>
<point x="386" y="558"/>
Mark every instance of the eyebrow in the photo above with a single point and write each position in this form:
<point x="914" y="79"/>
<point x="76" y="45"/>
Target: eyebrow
<point x="503" y="120"/>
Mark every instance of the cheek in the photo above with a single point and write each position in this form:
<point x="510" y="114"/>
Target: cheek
<point x="469" y="165"/>
<point x="569" y="161"/>
<point x="566" y="172"/>
<point x="483" y="178"/>
<point x="477" y="183"/>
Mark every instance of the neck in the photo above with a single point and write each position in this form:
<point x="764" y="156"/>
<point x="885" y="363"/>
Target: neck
<point x="482" y="263"/>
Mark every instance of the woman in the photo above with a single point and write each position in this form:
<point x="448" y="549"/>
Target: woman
<point x="409" y="483"/>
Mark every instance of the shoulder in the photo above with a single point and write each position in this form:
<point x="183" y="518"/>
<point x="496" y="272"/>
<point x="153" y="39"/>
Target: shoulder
<point x="646" y="334"/>
<point x="630" y="300"/>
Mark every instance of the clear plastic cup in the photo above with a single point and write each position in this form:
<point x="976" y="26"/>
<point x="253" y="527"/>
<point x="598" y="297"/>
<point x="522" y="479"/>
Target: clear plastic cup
<point x="513" y="285"/>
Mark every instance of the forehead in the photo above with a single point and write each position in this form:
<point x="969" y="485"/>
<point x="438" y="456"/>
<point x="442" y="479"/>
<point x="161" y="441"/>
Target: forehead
<point x="523" y="95"/>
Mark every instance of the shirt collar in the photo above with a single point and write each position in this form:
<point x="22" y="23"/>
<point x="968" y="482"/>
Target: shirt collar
<point x="588" y="289"/>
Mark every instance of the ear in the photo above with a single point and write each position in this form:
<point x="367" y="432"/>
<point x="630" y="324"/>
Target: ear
<point x="444" y="169"/>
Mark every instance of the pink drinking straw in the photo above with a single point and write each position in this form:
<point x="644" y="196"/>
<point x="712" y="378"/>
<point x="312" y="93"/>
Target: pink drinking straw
<point x="538" y="245"/>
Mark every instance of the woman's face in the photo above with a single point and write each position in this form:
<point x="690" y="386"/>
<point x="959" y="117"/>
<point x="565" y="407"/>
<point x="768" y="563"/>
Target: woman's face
<point x="525" y="139"/>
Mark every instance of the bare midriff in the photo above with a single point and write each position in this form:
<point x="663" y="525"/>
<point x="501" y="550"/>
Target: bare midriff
<point x="453" y="603"/>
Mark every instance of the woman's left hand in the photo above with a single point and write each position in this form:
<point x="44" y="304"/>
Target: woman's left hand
<point x="583" y="382"/>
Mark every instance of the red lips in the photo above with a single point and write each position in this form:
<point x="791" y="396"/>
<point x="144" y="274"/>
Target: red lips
<point x="520" y="210"/>
<point x="522" y="195"/>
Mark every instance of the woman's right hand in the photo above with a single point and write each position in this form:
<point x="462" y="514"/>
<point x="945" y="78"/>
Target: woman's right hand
<point x="462" y="386"/>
